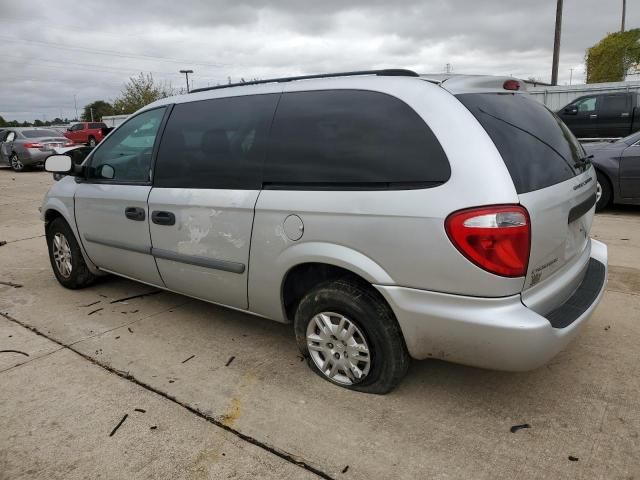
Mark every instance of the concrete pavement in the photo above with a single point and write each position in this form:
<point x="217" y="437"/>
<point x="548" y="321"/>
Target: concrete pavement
<point x="217" y="373"/>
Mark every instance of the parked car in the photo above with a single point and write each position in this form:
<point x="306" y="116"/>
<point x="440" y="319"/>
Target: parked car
<point x="617" y="165"/>
<point x="89" y="133"/>
<point x="386" y="215"/>
<point x="24" y="147"/>
<point x="603" y="115"/>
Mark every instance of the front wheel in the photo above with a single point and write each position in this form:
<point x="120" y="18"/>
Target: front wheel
<point x="351" y="338"/>
<point x="66" y="258"/>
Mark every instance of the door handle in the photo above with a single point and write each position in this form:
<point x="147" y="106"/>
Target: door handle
<point x="163" y="218"/>
<point x="593" y="116"/>
<point x="134" y="213"/>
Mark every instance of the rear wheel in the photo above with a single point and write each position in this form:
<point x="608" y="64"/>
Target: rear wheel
<point x="66" y="258"/>
<point x="603" y="192"/>
<point x="350" y="337"/>
<point x="16" y="163"/>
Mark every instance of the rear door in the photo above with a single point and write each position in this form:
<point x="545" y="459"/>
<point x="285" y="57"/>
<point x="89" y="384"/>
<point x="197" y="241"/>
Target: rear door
<point x="553" y="183"/>
<point x="629" y="173"/>
<point x="207" y="181"/>
<point x="614" y="115"/>
<point x="111" y="203"/>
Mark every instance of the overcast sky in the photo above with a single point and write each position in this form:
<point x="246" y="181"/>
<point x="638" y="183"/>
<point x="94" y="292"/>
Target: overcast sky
<point x="54" y="50"/>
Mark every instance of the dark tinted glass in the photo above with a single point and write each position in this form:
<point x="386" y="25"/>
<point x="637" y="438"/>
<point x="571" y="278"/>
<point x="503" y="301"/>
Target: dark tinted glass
<point x="352" y="138"/>
<point x="613" y="105"/>
<point x="216" y="143"/>
<point x="126" y="155"/>
<point x="537" y="147"/>
<point x="96" y="125"/>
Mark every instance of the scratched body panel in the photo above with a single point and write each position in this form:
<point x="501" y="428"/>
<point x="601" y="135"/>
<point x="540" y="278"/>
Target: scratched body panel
<point x="211" y="225"/>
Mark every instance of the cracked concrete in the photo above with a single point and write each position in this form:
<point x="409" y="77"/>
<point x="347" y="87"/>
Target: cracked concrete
<point x="445" y="421"/>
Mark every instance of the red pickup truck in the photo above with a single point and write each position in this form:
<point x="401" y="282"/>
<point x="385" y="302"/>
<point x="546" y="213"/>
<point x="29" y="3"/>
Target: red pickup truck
<point x="89" y="133"/>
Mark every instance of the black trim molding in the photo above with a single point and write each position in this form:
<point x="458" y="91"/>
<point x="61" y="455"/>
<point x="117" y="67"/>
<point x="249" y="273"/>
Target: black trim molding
<point x="224" y="265"/>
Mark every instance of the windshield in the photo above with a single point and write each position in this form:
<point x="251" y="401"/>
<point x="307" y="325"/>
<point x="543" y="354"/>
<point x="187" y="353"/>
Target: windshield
<point x="39" y="133"/>
<point x="631" y="139"/>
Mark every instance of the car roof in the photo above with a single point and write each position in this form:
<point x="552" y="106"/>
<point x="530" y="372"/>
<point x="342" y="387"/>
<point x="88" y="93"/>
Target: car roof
<point x="452" y="83"/>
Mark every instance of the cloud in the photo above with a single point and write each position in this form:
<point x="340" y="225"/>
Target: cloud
<point x="62" y="49"/>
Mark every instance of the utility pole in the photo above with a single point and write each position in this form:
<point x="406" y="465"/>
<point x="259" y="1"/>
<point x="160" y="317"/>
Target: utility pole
<point x="75" y="103"/>
<point x="91" y="110"/>
<point x="186" y="76"/>
<point x="556" y="44"/>
<point x="624" y="14"/>
<point x="570" y="75"/>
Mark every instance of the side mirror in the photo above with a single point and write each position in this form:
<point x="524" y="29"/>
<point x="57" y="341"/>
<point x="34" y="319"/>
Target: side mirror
<point x="571" y="110"/>
<point x="58" y="164"/>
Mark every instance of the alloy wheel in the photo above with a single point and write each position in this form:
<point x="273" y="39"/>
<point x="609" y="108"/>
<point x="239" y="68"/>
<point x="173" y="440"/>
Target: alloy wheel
<point x="338" y="348"/>
<point x="62" y="254"/>
<point x="598" y="192"/>
<point x="16" y="164"/>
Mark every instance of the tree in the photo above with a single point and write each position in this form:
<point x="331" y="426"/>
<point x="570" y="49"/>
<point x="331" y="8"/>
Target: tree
<point x="613" y="57"/>
<point x="100" y="108"/>
<point x="138" y="92"/>
<point x="3" y="122"/>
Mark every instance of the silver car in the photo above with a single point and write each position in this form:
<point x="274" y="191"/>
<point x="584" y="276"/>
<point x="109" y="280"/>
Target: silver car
<point x="25" y="147"/>
<point x="387" y="215"/>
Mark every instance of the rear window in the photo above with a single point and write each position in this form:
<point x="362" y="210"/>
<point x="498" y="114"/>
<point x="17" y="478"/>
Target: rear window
<point x="357" y="139"/>
<point x="536" y="146"/>
<point x="40" y="133"/>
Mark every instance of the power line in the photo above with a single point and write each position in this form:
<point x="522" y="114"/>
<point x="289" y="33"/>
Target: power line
<point x="112" y="53"/>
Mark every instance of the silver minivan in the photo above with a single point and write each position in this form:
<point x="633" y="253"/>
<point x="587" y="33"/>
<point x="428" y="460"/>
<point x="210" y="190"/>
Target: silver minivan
<point x="387" y="215"/>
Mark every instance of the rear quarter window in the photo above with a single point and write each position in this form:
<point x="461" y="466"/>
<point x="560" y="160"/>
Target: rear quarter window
<point x="347" y="139"/>
<point x="536" y="146"/>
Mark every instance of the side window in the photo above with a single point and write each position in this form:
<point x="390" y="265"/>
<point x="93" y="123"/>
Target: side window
<point x="11" y="136"/>
<point x="93" y="126"/>
<point x="586" y="105"/>
<point x="613" y="105"/>
<point x="352" y="139"/>
<point x="126" y="155"/>
<point x="218" y="143"/>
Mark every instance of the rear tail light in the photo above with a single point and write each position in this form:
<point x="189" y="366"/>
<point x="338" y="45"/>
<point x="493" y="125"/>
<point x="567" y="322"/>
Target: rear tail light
<point x="33" y="145"/>
<point x="511" y="85"/>
<point x="497" y="239"/>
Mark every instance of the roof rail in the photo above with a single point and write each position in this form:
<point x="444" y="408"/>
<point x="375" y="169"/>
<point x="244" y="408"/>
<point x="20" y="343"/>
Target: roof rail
<point x="390" y="72"/>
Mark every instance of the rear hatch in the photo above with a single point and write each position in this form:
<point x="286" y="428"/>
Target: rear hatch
<point x="553" y="179"/>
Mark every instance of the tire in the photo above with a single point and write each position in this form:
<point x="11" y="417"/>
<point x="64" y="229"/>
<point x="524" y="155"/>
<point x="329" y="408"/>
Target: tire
<point x="16" y="164"/>
<point x="64" y="250"/>
<point x="92" y="142"/>
<point x="374" y="327"/>
<point x="604" y="192"/>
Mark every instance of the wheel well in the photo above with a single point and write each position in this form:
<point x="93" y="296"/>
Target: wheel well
<point x="605" y="176"/>
<point x="49" y="216"/>
<point x="302" y="278"/>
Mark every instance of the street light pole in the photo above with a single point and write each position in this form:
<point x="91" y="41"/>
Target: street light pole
<point x="624" y="14"/>
<point x="556" y="44"/>
<point x="75" y="103"/>
<point x="186" y="76"/>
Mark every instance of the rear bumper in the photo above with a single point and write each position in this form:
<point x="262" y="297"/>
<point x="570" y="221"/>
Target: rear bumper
<point x="495" y="333"/>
